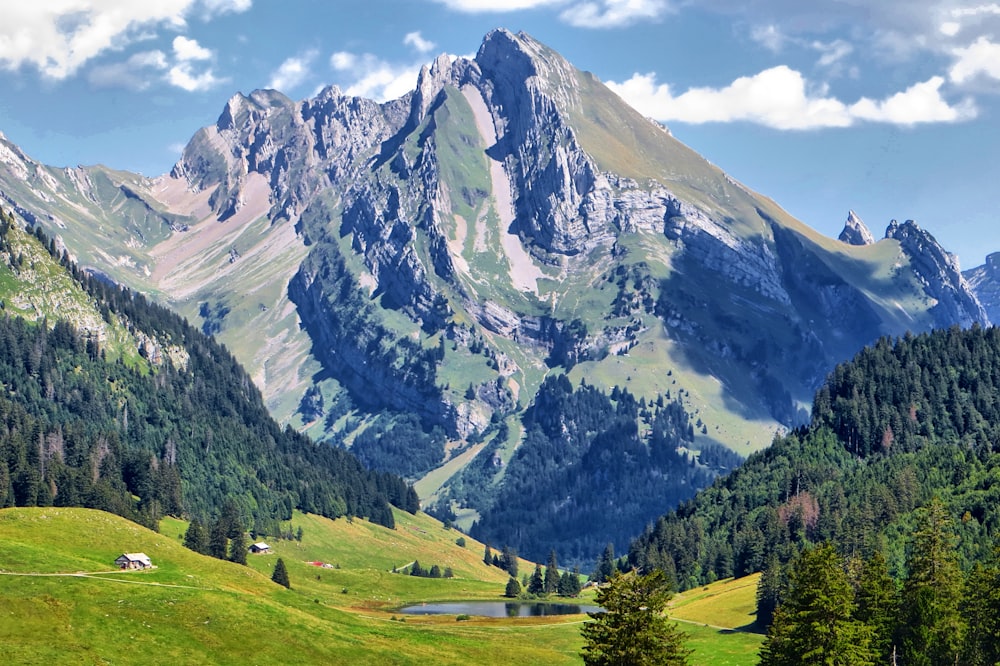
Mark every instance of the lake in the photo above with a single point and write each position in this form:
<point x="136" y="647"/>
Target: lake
<point x="498" y="608"/>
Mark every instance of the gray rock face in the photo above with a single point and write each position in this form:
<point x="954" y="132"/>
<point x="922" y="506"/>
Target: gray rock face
<point x="941" y="276"/>
<point x="985" y="283"/>
<point x="855" y="232"/>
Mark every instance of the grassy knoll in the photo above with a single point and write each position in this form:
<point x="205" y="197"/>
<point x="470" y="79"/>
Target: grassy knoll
<point x="718" y="619"/>
<point x="197" y="610"/>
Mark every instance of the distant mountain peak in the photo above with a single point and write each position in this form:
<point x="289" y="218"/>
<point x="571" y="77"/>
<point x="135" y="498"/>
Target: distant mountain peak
<point x="855" y="231"/>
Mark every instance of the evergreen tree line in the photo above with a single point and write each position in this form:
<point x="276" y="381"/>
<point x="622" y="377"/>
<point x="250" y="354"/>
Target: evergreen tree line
<point x="585" y="475"/>
<point x="905" y="421"/>
<point x="433" y="572"/>
<point x="77" y="430"/>
<point x="836" y="610"/>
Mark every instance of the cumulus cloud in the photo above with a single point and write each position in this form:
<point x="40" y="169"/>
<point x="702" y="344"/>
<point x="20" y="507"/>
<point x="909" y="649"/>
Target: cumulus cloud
<point x="981" y="58"/>
<point x="613" y="13"/>
<point x="227" y="6"/>
<point x="781" y="98"/>
<point x="189" y="49"/>
<point x="373" y="77"/>
<point x="417" y="41"/>
<point x="292" y="72"/>
<point x="134" y="73"/>
<point x="59" y="36"/>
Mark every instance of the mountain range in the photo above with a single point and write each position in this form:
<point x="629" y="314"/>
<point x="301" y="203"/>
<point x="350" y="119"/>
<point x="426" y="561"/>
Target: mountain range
<point x="408" y="277"/>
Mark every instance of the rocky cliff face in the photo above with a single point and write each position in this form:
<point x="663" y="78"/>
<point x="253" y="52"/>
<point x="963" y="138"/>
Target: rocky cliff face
<point x="855" y="232"/>
<point x="984" y="281"/>
<point x="938" y="270"/>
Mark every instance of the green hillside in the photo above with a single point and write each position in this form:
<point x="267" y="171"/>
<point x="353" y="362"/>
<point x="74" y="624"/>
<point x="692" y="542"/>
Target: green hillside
<point x="64" y="602"/>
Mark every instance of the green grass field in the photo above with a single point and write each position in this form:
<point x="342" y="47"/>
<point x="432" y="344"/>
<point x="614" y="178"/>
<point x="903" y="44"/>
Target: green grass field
<point x="63" y="602"/>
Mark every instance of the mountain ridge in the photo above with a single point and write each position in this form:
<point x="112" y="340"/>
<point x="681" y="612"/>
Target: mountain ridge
<point x="507" y="220"/>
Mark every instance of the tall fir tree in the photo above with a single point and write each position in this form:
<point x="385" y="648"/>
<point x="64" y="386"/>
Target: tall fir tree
<point x="218" y="542"/>
<point x="238" y="548"/>
<point x="196" y="537"/>
<point x="280" y="574"/>
<point x="878" y="605"/>
<point x="632" y="628"/>
<point x="932" y="630"/>
<point x="979" y="608"/>
<point x="537" y="583"/>
<point x="552" y="574"/>
<point x="814" y="625"/>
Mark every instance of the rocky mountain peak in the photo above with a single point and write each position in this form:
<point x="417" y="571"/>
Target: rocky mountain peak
<point x="940" y="273"/>
<point x="855" y="231"/>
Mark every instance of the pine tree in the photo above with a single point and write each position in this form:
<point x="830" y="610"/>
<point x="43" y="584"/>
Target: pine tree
<point x="196" y="537"/>
<point x="218" y="543"/>
<point x="537" y="583"/>
<point x="513" y="589"/>
<point x="979" y="607"/>
<point x="932" y="629"/>
<point x="280" y="575"/>
<point x="416" y="569"/>
<point x="508" y="560"/>
<point x="552" y="574"/>
<point x="606" y="565"/>
<point x="814" y="624"/>
<point x="435" y="571"/>
<point x="878" y="606"/>
<point x="488" y="556"/>
<point x="632" y="628"/>
<point x="238" y="548"/>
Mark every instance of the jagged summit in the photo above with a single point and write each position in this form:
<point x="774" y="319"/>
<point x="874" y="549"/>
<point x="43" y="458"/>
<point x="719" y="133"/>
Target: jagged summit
<point x="510" y="218"/>
<point x="855" y="232"/>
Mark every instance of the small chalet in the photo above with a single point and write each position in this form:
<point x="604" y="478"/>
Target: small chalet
<point x="260" y="548"/>
<point x="134" y="561"/>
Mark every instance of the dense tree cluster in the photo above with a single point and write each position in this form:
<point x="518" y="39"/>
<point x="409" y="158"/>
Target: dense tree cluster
<point x="77" y="430"/>
<point x="584" y="475"/>
<point x="837" y="610"/>
<point x="905" y="421"/>
<point x="400" y="446"/>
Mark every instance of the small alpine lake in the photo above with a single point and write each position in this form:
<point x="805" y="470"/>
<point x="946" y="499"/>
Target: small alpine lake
<point x="498" y="608"/>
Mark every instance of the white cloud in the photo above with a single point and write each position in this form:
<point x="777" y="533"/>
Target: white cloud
<point x="187" y="50"/>
<point x="950" y="28"/>
<point x="613" y="13"/>
<point x="417" y="41"/>
<point x="980" y="58"/>
<point x="781" y="98"/>
<point x="59" y="36"/>
<point x="769" y="36"/>
<point x="227" y="6"/>
<point x="979" y="10"/>
<point x="496" y="6"/>
<point x="920" y="103"/>
<point x="832" y="52"/>
<point x="133" y="73"/>
<point x="292" y="72"/>
<point x="183" y="76"/>
<point x="373" y="77"/>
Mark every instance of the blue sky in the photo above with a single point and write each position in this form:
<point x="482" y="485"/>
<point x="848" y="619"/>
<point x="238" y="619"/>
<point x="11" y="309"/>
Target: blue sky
<point x="889" y="108"/>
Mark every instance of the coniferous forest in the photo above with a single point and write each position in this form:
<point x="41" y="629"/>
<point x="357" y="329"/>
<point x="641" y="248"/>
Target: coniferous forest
<point x="78" y="430"/>
<point x="906" y="421"/>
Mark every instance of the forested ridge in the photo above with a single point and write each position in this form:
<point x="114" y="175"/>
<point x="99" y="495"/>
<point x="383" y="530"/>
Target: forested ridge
<point x="79" y="430"/>
<point x="595" y="459"/>
<point x="904" y="422"/>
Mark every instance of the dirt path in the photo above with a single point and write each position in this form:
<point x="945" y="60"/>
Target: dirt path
<point x="99" y="575"/>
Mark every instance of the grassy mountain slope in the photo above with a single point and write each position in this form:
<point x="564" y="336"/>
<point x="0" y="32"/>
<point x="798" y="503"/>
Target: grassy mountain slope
<point x="196" y="609"/>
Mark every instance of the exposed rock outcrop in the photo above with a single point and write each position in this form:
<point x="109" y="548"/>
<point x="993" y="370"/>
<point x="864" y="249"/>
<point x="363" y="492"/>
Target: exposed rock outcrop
<point x="855" y="232"/>
<point x="938" y="270"/>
